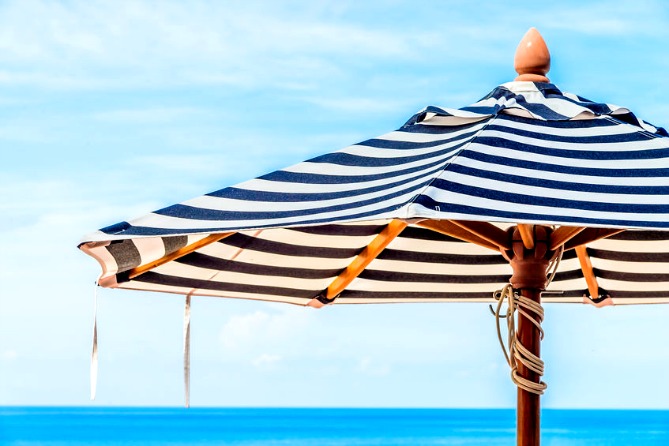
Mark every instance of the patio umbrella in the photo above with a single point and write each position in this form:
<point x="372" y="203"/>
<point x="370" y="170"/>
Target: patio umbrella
<point x="527" y="183"/>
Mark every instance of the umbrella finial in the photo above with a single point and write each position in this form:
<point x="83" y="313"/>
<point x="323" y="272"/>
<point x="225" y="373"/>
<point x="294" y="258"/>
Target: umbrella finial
<point x="532" y="60"/>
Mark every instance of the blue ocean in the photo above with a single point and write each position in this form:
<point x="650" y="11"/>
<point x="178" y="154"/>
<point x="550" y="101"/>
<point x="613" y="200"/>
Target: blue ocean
<point x="32" y="426"/>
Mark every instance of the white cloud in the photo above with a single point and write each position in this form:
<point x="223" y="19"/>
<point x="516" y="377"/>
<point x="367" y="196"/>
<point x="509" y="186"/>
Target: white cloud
<point x="148" y="115"/>
<point x="9" y="355"/>
<point x="370" y="367"/>
<point x="96" y="44"/>
<point x="87" y="44"/>
<point x="281" y="330"/>
<point x="266" y="360"/>
<point x="358" y="105"/>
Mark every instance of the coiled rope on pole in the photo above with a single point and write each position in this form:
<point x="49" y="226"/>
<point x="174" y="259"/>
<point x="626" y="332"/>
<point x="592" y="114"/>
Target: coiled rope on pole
<point x="517" y="352"/>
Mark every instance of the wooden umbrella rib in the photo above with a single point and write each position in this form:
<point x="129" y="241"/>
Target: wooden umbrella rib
<point x="212" y="238"/>
<point x="589" y="235"/>
<point x="564" y="234"/>
<point x="362" y="260"/>
<point x="588" y="272"/>
<point x="527" y="235"/>
<point x="486" y="231"/>
<point x="450" y="229"/>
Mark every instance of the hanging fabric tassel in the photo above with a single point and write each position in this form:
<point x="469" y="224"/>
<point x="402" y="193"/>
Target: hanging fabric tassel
<point x="187" y="351"/>
<point x="94" y="352"/>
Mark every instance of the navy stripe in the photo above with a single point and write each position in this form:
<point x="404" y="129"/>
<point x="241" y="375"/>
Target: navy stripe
<point x="631" y="277"/>
<point x="593" y="139"/>
<point x="413" y="232"/>
<point x="645" y="236"/>
<point x="558" y="185"/>
<point x="571" y="170"/>
<point x="125" y="254"/>
<point x="149" y="231"/>
<point x="396" y="276"/>
<point x="116" y="228"/>
<point x="643" y="257"/>
<point x="323" y="178"/>
<point x="341" y="230"/>
<point x="548" y="218"/>
<point x="539" y="109"/>
<point x="205" y="261"/>
<point x="355" y="294"/>
<point x="568" y="275"/>
<point x="268" y="246"/>
<point x="559" y="203"/>
<point x="549" y="91"/>
<point x="591" y="154"/>
<point x="349" y="159"/>
<point x="439" y="258"/>
<point x="406" y="145"/>
<point x="413" y="125"/>
<point x="575" y="124"/>
<point x="638" y="294"/>
<point x="191" y="212"/>
<point x="174" y="243"/>
<point x="630" y="118"/>
<point x="283" y="197"/>
<point x="210" y="285"/>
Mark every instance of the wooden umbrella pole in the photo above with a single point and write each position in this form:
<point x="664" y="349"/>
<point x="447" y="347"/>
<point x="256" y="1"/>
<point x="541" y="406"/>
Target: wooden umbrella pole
<point x="528" y="412"/>
<point x="530" y="270"/>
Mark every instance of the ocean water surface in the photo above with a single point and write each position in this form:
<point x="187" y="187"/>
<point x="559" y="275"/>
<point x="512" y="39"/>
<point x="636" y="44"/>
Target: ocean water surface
<point x="32" y="426"/>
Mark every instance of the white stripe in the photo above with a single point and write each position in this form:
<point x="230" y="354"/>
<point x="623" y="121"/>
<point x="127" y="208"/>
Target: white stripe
<point x="631" y="266"/>
<point x="231" y="294"/>
<point x="343" y="300"/>
<point x="614" y="147"/>
<point x="640" y="301"/>
<point x="514" y="154"/>
<point x="222" y="251"/>
<point x="619" y="129"/>
<point x="328" y="169"/>
<point x="380" y="300"/>
<point x="545" y="192"/>
<point x="261" y="185"/>
<point x="168" y="222"/>
<point x="620" y="285"/>
<point x="417" y="211"/>
<point x="417" y="137"/>
<point x="150" y="249"/>
<point x="216" y="276"/>
<point x="379" y="286"/>
<point x="556" y="176"/>
<point x="234" y="205"/>
<point x="438" y="247"/>
<point x="436" y="269"/>
<point x="390" y="153"/>
<point x="317" y="240"/>
<point x="641" y="246"/>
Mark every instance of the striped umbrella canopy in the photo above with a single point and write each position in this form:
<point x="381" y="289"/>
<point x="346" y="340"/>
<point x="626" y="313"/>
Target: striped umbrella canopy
<point x="384" y="220"/>
<point x="442" y="209"/>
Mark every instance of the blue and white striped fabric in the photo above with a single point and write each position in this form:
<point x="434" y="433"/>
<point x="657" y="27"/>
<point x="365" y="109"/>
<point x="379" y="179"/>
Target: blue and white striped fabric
<point x="526" y="153"/>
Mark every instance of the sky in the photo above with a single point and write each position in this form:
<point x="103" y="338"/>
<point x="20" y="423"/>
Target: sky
<point x="112" y="109"/>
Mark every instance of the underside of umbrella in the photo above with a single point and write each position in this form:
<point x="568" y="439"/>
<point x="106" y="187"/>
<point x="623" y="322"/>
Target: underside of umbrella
<point x="446" y="208"/>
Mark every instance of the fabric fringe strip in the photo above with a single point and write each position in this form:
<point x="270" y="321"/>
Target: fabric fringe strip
<point x="94" y="352"/>
<point x="187" y="352"/>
